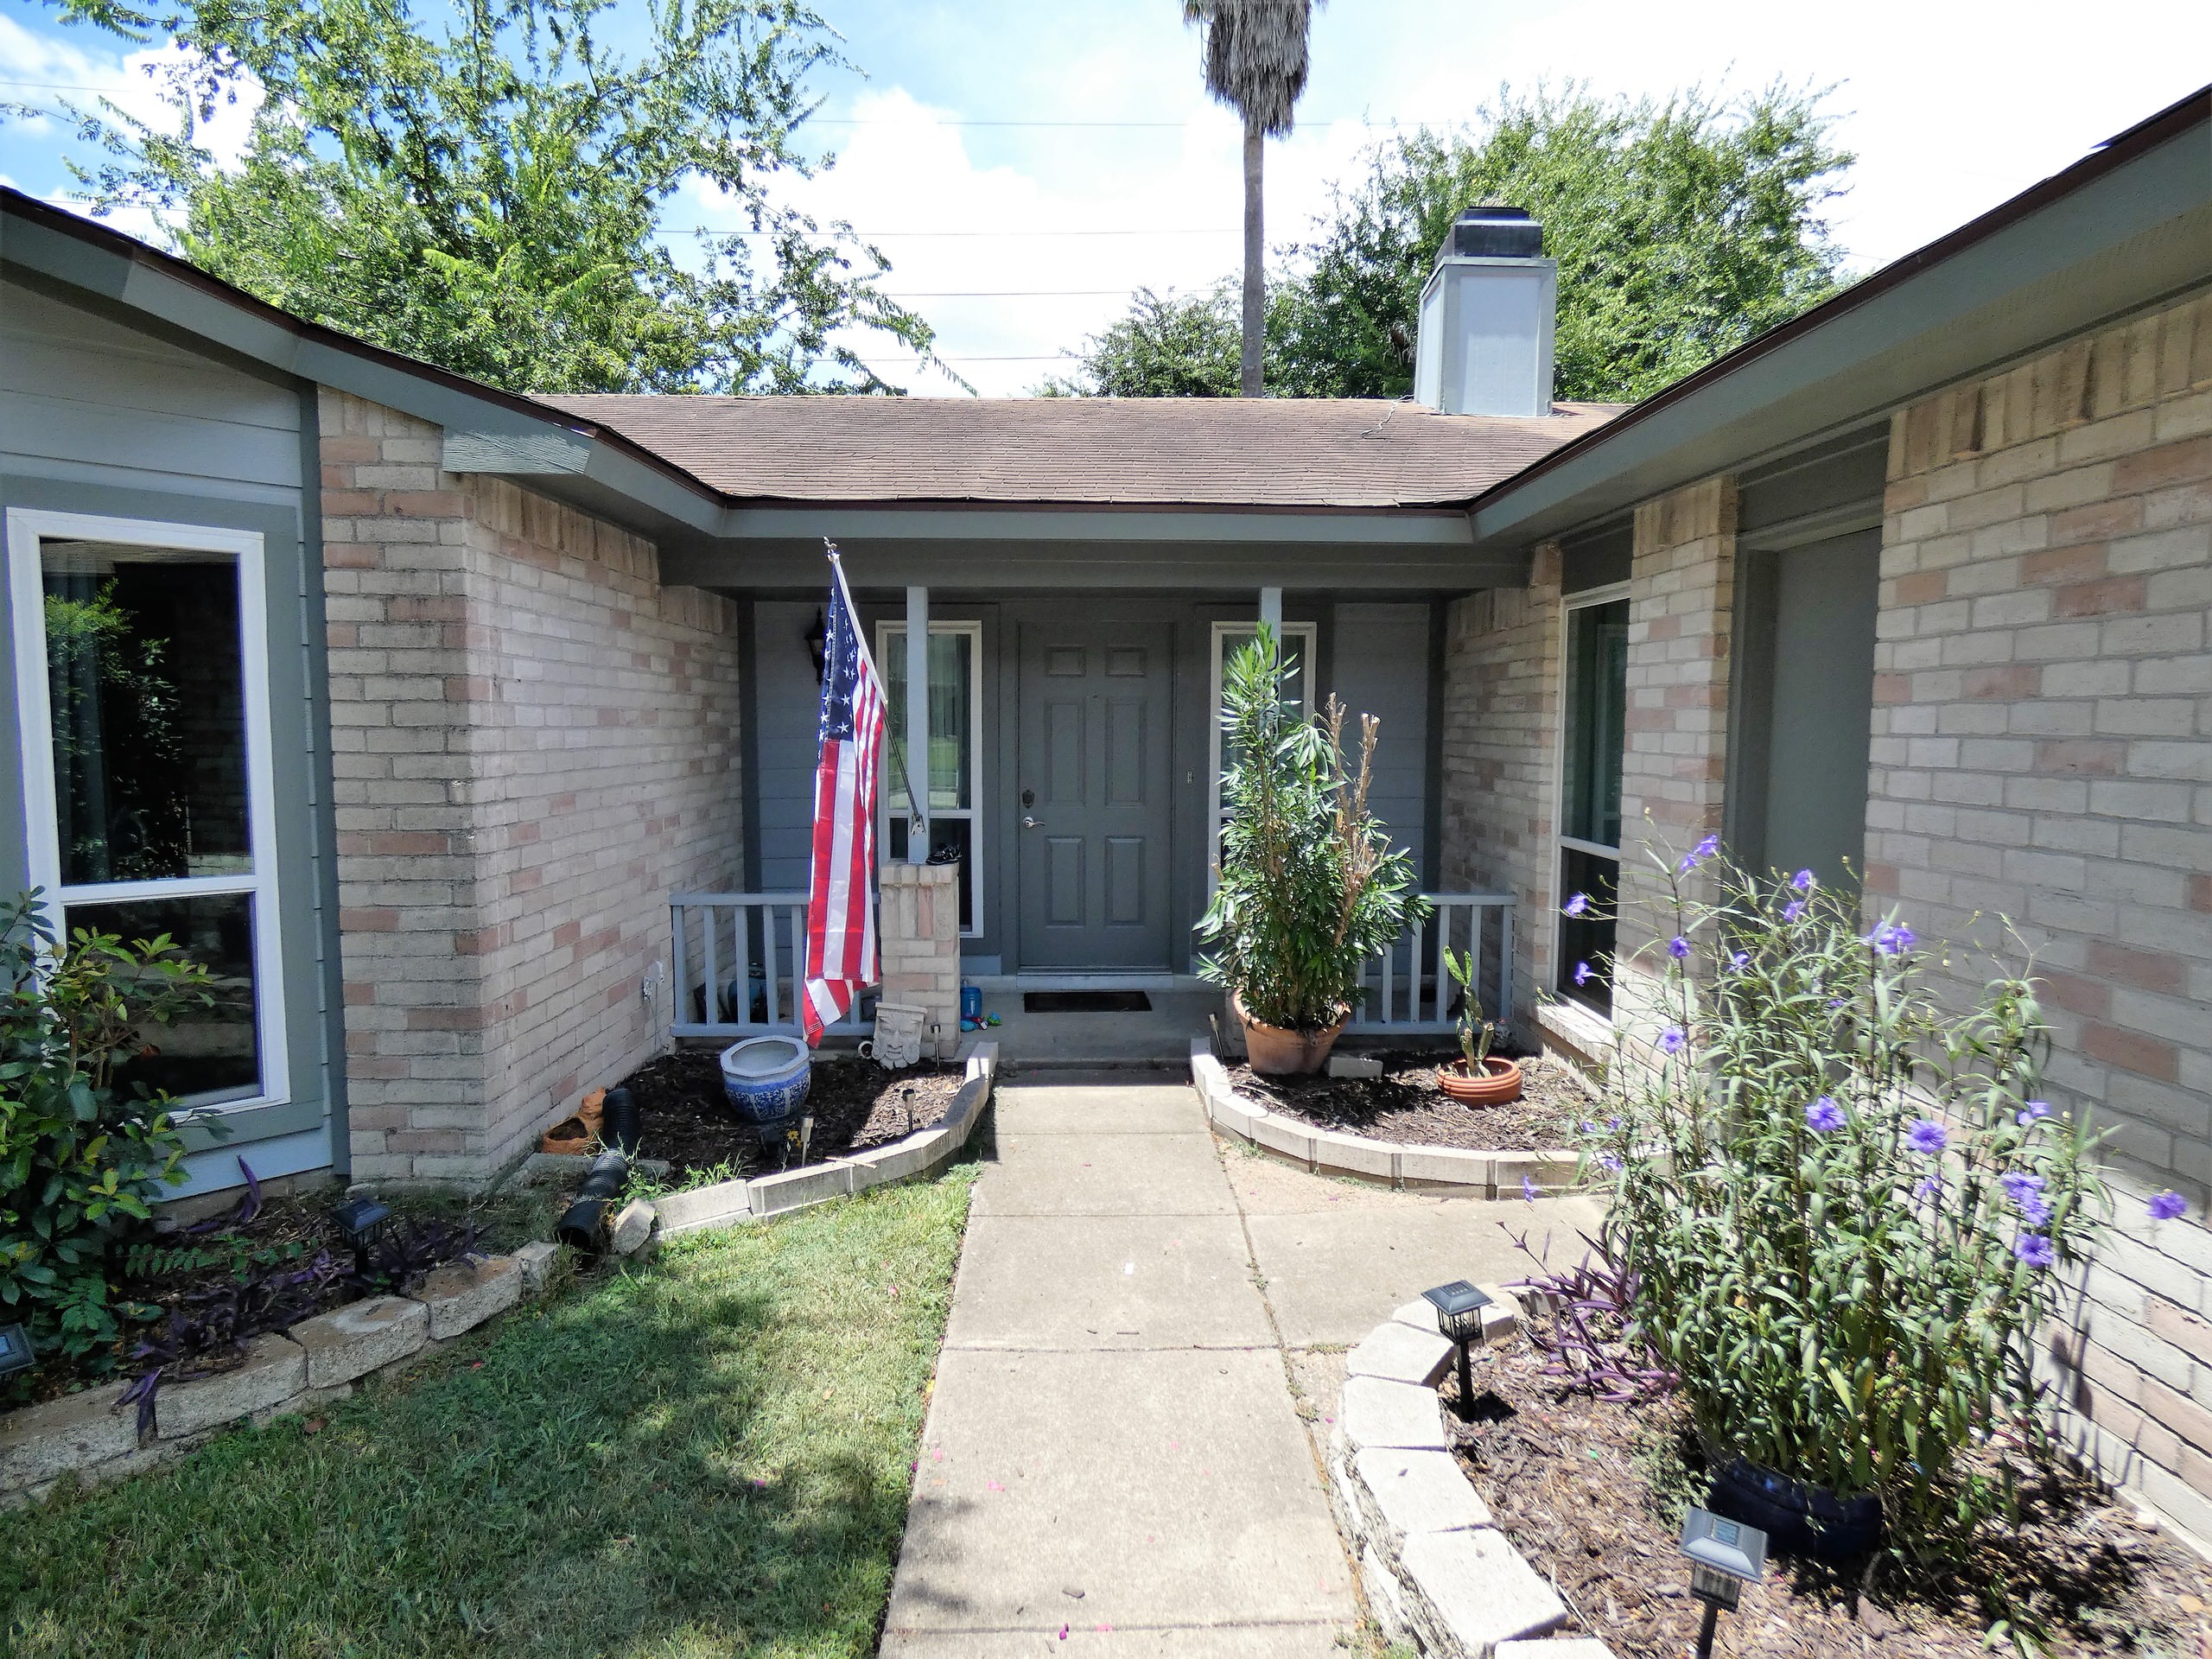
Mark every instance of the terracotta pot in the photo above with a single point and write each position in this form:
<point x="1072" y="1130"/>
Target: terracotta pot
<point x="1499" y="1083"/>
<point x="1274" y="1051"/>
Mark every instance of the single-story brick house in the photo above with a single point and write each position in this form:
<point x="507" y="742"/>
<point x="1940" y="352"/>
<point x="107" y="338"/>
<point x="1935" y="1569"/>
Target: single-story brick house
<point x="486" y="767"/>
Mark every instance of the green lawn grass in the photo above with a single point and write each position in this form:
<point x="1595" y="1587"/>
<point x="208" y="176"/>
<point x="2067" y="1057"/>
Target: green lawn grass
<point x="707" y="1455"/>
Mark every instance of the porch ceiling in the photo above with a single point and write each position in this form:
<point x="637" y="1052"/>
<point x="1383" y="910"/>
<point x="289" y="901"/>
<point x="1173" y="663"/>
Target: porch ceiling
<point x="779" y="549"/>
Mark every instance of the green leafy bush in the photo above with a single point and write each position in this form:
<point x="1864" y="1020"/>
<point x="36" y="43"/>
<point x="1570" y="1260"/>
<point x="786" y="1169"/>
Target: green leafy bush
<point x="1310" y="887"/>
<point x="1843" y="1203"/>
<point x="80" y="1160"/>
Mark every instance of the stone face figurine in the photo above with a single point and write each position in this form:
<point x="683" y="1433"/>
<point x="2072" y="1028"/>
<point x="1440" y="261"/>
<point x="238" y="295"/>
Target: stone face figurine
<point x="897" y="1043"/>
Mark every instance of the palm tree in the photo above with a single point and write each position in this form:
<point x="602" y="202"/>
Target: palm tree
<point x="1256" y="62"/>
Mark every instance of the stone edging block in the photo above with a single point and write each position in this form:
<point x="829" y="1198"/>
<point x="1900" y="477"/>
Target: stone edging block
<point x="1436" y="1571"/>
<point x="1331" y="1151"/>
<point x="93" y="1435"/>
<point x="924" y="1153"/>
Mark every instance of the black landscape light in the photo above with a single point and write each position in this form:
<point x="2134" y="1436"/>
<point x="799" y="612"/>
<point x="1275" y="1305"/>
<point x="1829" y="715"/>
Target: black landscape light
<point x="364" y="1222"/>
<point x="16" y="1353"/>
<point x="1724" y="1556"/>
<point x="1460" y="1316"/>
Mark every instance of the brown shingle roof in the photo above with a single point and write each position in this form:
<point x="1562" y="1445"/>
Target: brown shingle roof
<point x="1271" y="452"/>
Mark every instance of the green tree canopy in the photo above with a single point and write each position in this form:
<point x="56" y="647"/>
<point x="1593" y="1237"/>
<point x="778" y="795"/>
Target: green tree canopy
<point x="1681" y="229"/>
<point x="488" y="189"/>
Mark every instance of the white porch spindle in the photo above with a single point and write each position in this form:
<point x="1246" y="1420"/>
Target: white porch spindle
<point x="918" y="723"/>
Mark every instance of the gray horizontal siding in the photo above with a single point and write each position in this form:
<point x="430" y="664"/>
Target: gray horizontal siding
<point x="1380" y="667"/>
<point x="76" y="388"/>
<point x="790" y="702"/>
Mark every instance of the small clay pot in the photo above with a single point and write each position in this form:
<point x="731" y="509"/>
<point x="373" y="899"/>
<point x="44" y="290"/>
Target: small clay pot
<point x="1499" y="1083"/>
<point x="1274" y="1052"/>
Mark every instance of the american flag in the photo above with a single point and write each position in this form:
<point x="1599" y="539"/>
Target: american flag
<point x="840" y="901"/>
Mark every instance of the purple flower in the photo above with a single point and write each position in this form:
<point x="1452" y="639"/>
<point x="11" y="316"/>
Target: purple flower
<point x="2018" y="1182"/>
<point x="1588" y="1127"/>
<point x="2034" y="1112"/>
<point x="1612" y="1123"/>
<point x="1928" y="1187"/>
<point x="2034" y="1249"/>
<point x="1792" y="909"/>
<point x="1529" y="1188"/>
<point x="1678" y="947"/>
<point x="1576" y="906"/>
<point x="2164" y="1207"/>
<point x="1892" y="939"/>
<point x="1824" y="1115"/>
<point x="1697" y="854"/>
<point x="1673" y="1041"/>
<point x="2035" y="1210"/>
<point x="1926" y="1135"/>
<point x="1612" y="1163"/>
<point x="1582" y="973"/>
<point x="1802" y="881"/>
<point x="1741" y="961"/>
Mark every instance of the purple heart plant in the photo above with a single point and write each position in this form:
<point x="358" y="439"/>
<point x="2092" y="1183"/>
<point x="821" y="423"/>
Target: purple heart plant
<point x="1843" y="1203"/>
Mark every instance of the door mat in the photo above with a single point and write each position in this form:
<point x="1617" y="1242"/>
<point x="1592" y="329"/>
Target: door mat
<point x="1085" y="1002"/>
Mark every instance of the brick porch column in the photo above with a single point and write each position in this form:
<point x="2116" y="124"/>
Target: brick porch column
<point x="920" y="945"/>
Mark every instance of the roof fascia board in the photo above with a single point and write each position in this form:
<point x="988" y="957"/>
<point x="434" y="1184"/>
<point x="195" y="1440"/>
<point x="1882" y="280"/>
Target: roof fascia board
<point x="1351" y="526"/>
<point x="1947" y="323"/>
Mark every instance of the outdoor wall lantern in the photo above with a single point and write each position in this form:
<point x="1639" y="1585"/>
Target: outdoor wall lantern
<point x="364" y="1222"/>
<point x="16" y="1353"/>
<point x="817" y="639"/>
<point x="1724" y="1556"/>
<point x="1460" y="1316"/>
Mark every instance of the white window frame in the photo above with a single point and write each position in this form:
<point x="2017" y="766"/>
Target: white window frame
<point x="27" y="529"/>
<point x="891" y="796"/>
<point x="1588" y="599"/>
<point x="1216" y="815"/>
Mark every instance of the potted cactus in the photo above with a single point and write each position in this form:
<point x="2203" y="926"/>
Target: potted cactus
<point x="1478" y="1077"/>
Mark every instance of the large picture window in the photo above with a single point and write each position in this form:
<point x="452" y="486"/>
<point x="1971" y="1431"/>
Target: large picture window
<point x="955" y="782"/>
<point x="142" y="693"/>
<point x="1594" y="717"/>
<point x="1299" y="642"/>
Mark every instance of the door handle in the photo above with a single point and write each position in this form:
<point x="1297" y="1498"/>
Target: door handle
<point x="1033" y="824"/>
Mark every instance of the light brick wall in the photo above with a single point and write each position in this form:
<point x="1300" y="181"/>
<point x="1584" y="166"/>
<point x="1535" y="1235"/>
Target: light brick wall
<point x="1501" y="715"/>
<point x="2042" y="752"/>
<point x="1681" y="599"/>
<point x="533" y="743"/>
<point x="919" y="943"/>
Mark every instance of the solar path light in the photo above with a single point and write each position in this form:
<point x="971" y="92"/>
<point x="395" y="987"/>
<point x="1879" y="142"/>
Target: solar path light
<point x="1460" y="1316"/>
<point x="16" y="1353"/>
<point x="1724" y="1556"/>
<point x="364" y="1222"/>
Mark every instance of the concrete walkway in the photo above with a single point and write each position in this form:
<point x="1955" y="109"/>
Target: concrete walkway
<point x="1146" y="1338"/>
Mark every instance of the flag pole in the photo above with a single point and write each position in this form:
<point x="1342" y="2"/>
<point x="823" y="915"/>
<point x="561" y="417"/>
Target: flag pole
<point x="915" y="815"/>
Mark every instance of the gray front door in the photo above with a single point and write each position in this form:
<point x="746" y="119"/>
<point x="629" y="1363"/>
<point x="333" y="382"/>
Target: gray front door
<point x="1092" y="786"/>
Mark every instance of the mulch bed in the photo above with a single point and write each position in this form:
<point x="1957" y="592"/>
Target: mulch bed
<point x="1592" y="1493"/>
<point x="856" y="1104"/>
<point x="1405" y="1106"/>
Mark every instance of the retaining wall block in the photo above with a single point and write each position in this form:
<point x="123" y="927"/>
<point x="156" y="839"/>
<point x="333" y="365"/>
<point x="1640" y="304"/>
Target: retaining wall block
<point x="1281" y="1134"/>
<point x="1557" y="1647"/>
<point x="1398" y="1414"/>
<point x="536" y="1260"/>
<point x="466" y="1293"/>
<point x="1412" y="1492"/>
<point x="353" y="1340"/>
<point x="795" y="1189"/>
<point x="1477" y="1590"/>
<point x="1400" y="1353"/>
<point x="1353" y="1154"/>
<point x="274" y="1370"/>
<point x="1446" y="1167"/>
<point x="41" y="1443"/>
<point x="722" y="1205"/>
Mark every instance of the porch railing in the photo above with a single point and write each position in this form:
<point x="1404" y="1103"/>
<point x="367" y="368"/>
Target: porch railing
<point x="1407" y="989"/>
<point x="738" y="957"/>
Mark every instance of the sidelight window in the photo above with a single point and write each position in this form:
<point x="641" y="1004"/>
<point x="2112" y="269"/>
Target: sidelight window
<point x="1592" y="740"/>
<point x="955" y="780"/>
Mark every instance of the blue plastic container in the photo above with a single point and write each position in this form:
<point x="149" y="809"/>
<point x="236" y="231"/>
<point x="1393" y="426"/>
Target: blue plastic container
<point x="971" y="1002"/>
<point x="766" y="1078"/>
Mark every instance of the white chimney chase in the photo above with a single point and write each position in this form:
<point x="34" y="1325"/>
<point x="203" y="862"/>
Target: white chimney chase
<point x="1485" y="345"/>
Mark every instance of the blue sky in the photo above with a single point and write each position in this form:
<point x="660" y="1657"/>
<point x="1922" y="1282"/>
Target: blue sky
<point x="1025" y="164"/>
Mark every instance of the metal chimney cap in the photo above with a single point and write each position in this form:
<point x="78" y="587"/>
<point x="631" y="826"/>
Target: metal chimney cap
<point x="1493" y="231"/>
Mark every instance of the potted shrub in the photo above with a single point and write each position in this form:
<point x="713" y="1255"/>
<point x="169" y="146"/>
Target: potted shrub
<point x="1309" y="888"/>
<point x="1477" y="1078"/>
<point x="1845" y="1208"/>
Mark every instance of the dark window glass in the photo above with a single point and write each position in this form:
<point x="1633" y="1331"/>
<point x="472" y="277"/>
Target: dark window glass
<point x="951" y="721"/>
<point x="1587" y="939"/>
<point x="1597" y="710"/>
<point x="147" y="694"/>
<point x="946" y="835"/>
<point x="208" y="1054"/>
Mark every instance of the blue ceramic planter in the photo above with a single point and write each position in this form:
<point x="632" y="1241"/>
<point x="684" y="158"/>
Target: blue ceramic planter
<point x="766" y="1078"/>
